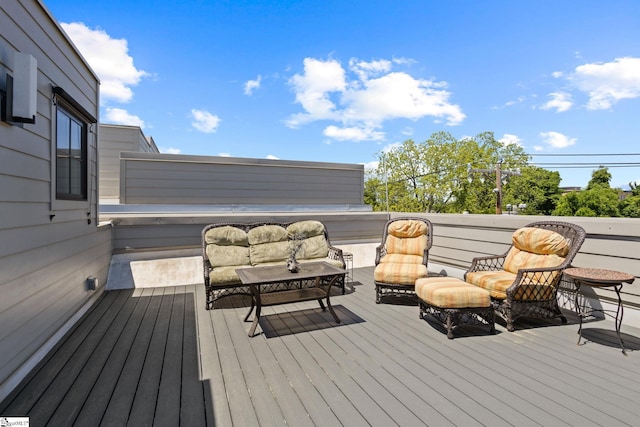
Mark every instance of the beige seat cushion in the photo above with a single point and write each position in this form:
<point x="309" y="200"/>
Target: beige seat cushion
<point x="399" y="273"/>
<point x="450" y="292"/>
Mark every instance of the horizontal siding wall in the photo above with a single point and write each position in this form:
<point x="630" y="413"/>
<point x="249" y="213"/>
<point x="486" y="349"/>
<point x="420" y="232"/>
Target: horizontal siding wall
<point x="114" y="139"/>
<point x="612" y="243"/>
<point x="147" y="178"/>
<point x="48" y="247"/>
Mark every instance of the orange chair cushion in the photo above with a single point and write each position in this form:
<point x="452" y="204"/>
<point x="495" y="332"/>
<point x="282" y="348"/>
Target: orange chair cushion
<point x="449" y="292"/>
<point x="495" y="282"/>
<point x="408" y="237"/>
<point x="399" y="273"/>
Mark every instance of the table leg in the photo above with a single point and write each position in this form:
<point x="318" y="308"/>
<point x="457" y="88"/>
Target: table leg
<point x="619" y="314"/>
<point x="579" y="310"/>
<point x="258" y="303"/>
<point x="333" y="313"/>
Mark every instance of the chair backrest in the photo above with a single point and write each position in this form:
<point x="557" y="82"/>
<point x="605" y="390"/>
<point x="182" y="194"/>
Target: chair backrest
<point x="544" y="244"/>
<point x="408" y="236"/>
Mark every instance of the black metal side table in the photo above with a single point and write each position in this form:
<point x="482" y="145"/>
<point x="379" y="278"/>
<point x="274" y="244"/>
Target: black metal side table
<point x="600" y="278"/>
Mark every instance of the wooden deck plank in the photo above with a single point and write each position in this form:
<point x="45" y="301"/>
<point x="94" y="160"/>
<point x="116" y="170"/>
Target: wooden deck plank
<point x="217" y="404"/>
<point x="338" y="403"/>
<point x="144" y="402"/>
<point x="307" y="394"/>
<point x="92" y="411"/>
<point x="156" y="356"/>
<point x="266" y="407"/>
<point x="60" y="404"/>
<point x="342" y="376"/>
<point x="117" y="411"/>
<point x="452" y="375"/>
<point x="192" y="399"/>
<point x="25" y="397"/>
<point x="236" y="392"/>
<point x="168" y="403"/>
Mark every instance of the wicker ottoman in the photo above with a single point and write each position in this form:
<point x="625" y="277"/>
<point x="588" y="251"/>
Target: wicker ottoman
<point x="454" y="302"/>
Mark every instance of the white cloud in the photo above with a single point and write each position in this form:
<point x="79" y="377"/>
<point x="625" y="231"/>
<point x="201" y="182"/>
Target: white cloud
<point x="353" y="133"/>
<point x="362" y="103"/>
<point x="608" y="83"/>
<point x="560" y="101"/>
<point x="272" y="157"/>
<point x="204" y="121"/>
<point x="169" y="150"/>
<point x="508" y="139"/>
<point x="371" y="165"/>
<point x="119" y="116"/>
<point x="365" y="70"/>
<point x="110" y="60"/>
<point x="251" y="85"/>
<point x="538" y="148"/>
<point x="224" y="154"/>
<point x="556" y="139"/>
<point x="312" y="89"/>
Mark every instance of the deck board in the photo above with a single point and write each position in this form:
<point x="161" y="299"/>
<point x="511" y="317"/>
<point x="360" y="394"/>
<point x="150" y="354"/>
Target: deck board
<point x="157" y="357"/>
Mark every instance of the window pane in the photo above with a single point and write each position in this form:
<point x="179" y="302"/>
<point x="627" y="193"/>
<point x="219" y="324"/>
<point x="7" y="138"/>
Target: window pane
<point x="71" y="154"/>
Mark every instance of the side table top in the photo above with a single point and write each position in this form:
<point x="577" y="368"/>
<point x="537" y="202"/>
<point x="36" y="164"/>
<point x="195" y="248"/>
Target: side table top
<point x="598" y="275"/>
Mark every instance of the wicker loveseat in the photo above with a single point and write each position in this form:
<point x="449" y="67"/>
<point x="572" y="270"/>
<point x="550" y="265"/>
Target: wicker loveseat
<point x="228" y="246"/>
<point x="524" y="281"/>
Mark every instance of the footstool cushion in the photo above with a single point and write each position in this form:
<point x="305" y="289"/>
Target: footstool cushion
<point x="453" y="302"/>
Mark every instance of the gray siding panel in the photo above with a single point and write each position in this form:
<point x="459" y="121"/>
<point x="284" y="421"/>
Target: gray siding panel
<point x="114" y="139"/>
<point x="170" y="179"/>
<point x="47" y="247"/>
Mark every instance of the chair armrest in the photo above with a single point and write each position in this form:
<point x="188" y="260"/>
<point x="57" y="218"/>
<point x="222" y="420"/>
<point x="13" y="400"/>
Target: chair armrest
<point x="206" y="266"/>
<point x="535" y="283"/>
<point x="487" y="263"/>
<point x="336" y="253"/>
<point x="381" y="251"/>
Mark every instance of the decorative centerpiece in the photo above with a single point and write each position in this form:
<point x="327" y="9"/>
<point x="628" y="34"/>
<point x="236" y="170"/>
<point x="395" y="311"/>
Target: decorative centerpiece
<point x="296" y="244"/>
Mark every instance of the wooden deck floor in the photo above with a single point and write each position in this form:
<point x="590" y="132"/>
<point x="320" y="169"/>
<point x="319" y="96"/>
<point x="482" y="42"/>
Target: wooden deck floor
<point x="157" y="357"/>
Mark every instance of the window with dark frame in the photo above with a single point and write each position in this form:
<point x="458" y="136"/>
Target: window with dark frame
<point x="71" y="154"/>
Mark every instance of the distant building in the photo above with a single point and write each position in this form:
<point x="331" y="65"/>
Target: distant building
<point x="114" y="139"/>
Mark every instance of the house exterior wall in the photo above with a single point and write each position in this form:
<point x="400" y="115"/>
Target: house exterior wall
<point x="48" y="247"/>
<point x="147" y="178"/>
<point x="114" y="139"/>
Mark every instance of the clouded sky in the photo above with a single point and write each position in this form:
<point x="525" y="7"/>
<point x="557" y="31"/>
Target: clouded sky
<point x="341" y="81"/>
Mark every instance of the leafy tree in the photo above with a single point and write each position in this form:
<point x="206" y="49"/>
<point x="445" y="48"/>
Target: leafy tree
<point x="630" y="207"/>
<point x="433" y="176"/>
<point x="536" y="187"/>
<point x="598" y="199"/>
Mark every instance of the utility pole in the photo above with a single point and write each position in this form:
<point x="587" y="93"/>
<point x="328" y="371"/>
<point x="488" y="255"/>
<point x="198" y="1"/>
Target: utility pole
<point x="500" y="175"/>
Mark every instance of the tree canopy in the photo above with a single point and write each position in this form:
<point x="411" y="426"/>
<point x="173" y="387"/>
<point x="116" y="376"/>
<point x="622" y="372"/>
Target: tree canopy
<point x="443" y="174"/>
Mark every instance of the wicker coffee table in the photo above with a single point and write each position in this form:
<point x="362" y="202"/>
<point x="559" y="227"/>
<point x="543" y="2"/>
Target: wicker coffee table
<point x="600" y="278"/>
<point x="312" y="281"/>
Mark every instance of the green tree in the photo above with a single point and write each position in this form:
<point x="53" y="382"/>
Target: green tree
<point x="598" y="199"/>
<point x="630" y="207"/>
<point x="537" y="188"/>
<point x="433" y="176"/>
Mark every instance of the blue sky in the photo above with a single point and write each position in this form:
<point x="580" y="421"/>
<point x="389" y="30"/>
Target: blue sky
<point x="342" y="80"/>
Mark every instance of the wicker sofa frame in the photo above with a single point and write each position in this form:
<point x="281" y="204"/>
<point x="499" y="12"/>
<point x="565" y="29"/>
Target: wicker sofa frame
<point x="539" y="303"/>
<point x="214" y="291"/>
<point x="399" y="289"/>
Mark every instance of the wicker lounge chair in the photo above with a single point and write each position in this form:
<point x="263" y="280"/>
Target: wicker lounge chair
<point x="402" y="256"/>
<point x="524" y="281"/>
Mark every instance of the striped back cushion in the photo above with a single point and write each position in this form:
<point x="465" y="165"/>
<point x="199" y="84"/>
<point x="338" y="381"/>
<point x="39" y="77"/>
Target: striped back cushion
<point x="535" y="248"/>
<point x="407" y="237"/>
